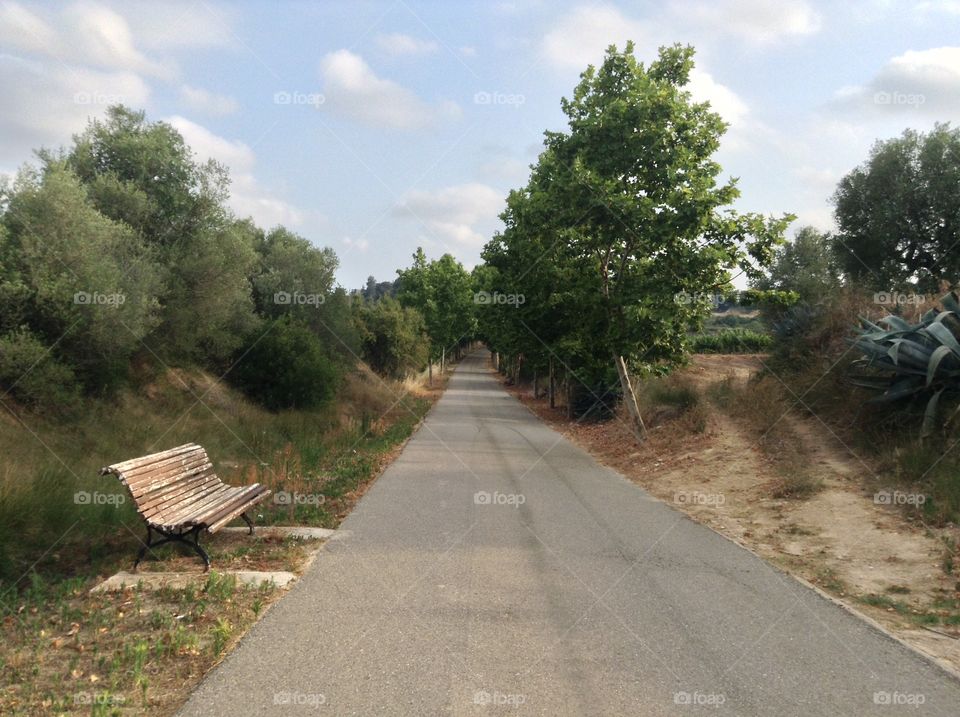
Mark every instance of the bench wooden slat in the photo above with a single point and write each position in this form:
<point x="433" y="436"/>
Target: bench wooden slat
<point x="181" y="514"/>
<point x="178" y="491"/>
<point x="189" y="496"/>
<point x="222" y="521"/>
<point x="169" y="467"/>
<point x="153" y="457"/>
<point x="158" y="482"/>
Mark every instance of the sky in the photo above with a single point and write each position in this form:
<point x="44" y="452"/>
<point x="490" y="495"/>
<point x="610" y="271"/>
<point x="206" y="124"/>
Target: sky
<point x="377" y="127"/>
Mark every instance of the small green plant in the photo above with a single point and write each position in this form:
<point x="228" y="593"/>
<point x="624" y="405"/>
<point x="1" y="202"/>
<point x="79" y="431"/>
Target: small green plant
<point x="221" y="635"/>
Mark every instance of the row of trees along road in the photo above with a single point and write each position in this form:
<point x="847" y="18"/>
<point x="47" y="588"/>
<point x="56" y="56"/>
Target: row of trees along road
<point x="441" y="290"/>
<point x="621" y="214"/>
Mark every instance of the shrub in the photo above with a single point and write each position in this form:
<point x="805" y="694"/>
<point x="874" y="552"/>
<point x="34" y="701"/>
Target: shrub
<point x="283" y="365"/>
<point x="731" y="341"/>
<point x="29" y="372"/>
<point x="393" y="338"/>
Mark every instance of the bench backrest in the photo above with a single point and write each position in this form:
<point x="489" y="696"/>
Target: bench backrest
<point x="167" y="480"/>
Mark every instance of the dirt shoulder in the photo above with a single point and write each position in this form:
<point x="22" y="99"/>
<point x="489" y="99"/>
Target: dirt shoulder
<point x="865" y="554"/>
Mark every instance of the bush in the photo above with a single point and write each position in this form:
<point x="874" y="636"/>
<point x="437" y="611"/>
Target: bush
<point x="393" y="338"/>
<point x="731" y="341"/>
<point x="30" y="374"/>
<point x="283" y="365"/>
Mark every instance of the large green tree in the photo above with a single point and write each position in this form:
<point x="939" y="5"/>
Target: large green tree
<point x="631" y="201"/>
<point x="899" y="212"/>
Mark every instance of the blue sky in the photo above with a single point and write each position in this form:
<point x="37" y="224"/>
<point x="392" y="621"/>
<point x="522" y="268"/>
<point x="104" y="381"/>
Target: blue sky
<point x="375" y="127"/>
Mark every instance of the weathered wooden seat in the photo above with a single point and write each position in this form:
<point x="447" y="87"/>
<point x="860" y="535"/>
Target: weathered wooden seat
<point x="179" y="496"/>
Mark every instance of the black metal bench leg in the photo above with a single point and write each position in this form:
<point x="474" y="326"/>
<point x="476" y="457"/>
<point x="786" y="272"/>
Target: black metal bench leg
<point x="143" y="550"/>
<point x="246" y="519"/>
<point x="199" y="548"/>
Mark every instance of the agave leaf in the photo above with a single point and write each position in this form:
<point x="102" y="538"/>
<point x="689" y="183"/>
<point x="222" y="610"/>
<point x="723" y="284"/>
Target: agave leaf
<point x="911" y="353"/>
<point x="897" y="323"/>
<point x="930" y="415"/>
<point x="938" y="356"/>
<point x="944" y="336"/>
<point x="902" y="388"/>
<point x="931" y="315"/>
<point x="950" y="302"/>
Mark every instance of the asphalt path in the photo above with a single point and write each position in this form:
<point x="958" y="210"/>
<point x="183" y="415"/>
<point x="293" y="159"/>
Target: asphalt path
<point x="496" y="568"/>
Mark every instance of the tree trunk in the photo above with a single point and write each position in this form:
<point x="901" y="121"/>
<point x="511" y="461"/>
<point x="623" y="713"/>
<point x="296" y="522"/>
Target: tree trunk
<point x="630" y="399"/>
<point x="430" y="373"/>
<point x="552" y="389"/>
<point x="569" y="391"/>
<point x="516" y="379"/>
<point x="443" y="357"/>
<point x="536" y="385"/>
<point x="496" y="361"/>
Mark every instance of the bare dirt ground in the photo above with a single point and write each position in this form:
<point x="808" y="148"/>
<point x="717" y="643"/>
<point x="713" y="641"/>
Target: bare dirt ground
<point x="864" y="554"/>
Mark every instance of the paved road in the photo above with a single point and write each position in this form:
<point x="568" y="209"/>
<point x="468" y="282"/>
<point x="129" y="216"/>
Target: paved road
<point x="495" y="568"/>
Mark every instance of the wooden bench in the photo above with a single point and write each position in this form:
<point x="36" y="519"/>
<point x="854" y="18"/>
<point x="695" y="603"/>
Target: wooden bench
<point x="179" y="496"/>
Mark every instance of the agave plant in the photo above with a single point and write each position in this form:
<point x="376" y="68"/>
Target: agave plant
<point x="912" y="361"/>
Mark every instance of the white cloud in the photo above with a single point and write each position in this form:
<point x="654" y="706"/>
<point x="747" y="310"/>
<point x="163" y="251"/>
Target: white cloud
<point x="352" y="89"/>
<point x="399" y="44"/>
<point x="467" y="51"/>
<point x="760" y="22"/>
<point x="582" y="36"/>
<point x="180" y="24"/>
<point x="452" y="213"/>
<point x="43" y="105"/>
<point x="918" y="81"/>
<point x="247" y="196"/>
<point x="208" y="102"/>
<point x="83" y="33"/>
<point x="360" y="245"/>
